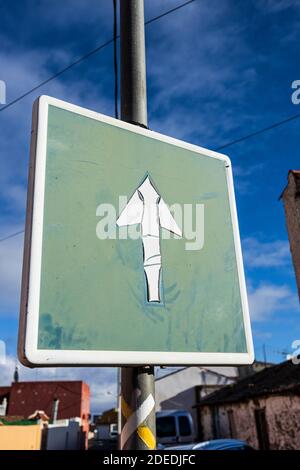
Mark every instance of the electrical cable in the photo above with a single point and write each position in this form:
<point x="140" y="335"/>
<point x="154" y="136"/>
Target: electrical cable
<point x="258" y="132"/>
<point x="114" y="40"/>
<point x="11" y="236"/>
<point x="86" y="56"/>
<point x="81" y="59"/>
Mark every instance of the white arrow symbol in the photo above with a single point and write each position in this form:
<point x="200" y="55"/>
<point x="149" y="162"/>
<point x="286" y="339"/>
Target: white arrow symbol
<point x="146" y="207"/>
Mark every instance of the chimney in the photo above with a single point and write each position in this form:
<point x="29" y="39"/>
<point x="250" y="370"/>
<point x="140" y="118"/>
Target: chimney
<point x="291" y="202"/>
<point x="55" y="410"/>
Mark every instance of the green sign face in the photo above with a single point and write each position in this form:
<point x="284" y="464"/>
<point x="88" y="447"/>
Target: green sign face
<point x="132" y="248"/>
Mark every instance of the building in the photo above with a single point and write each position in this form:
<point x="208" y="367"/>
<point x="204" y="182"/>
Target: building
<point x="183" y="388"/>
<point x="26" y="437"/>
<point x="65" y="434"/>
<point x="291" y="202"/>
<point x="263" y="409"/>
<point x="67" y="399"/>
<point x="37" y="433"/>
<point x="4" y="395"/>
<point x="257" y="366"/>
<point x="106" y="428"/>
<point x="4" y="392"/>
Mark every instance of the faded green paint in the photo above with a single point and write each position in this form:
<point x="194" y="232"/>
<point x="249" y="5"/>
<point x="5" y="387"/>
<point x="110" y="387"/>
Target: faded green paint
<point x="92" y="291"/>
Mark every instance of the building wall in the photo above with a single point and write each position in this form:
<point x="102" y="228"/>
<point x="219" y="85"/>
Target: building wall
<point x="4" y="392"/>
<point x="85" y="407"/>
<point x="177" y="391"/>
<point x="74" y="399"/>
<point x="20" y="437"/>
<point x="282" y="417"/>
<point x="64" y="436"/>
<point x="206" y="423"/>
<point x="291" y="202"/>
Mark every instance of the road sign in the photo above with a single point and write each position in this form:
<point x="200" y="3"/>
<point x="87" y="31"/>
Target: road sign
<point x="132" y="250"/>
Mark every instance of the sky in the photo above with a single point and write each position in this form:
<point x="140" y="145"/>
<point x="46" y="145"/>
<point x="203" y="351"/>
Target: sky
<point x="216" y="71"/>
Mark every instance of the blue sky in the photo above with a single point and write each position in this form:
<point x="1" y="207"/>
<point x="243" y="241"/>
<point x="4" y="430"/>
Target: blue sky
<point x="216" y="70"/>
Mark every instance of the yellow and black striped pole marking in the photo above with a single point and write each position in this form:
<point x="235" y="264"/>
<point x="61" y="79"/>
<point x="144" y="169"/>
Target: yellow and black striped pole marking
<point x="138" y="409"/>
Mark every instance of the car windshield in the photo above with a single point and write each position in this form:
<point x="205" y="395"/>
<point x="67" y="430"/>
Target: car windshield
<point x="184" y="426"/>
<point x="165" y="426"/>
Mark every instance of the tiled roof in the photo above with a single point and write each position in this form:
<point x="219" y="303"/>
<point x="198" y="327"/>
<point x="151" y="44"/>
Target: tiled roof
<point x="282" y="378"/>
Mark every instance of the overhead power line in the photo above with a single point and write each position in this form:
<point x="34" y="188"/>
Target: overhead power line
<point x="102" y="46"/>
<point x="87" y="56"/>
<point x="81" y="59"/>
<point x="162" y="15"/>
<point x="258" y="132"/>
<point x="221" y="147"/>
<point x="11" y="236"/>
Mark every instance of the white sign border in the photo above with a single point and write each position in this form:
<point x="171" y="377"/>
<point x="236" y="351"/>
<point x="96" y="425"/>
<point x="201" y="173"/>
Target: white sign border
<point x="29" y="353"/>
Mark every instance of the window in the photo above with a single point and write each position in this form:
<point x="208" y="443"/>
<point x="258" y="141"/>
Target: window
<point x="215" y="423"/>
<point x="262" y="428"/>
<point x="165" y="426"/>
<point x="184" y="426"/>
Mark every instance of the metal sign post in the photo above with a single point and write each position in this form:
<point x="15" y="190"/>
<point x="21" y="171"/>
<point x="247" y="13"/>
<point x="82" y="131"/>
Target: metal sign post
<point x="137" y="383"/>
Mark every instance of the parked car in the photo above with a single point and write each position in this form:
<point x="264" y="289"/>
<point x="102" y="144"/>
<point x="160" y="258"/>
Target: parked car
<point x="174" y="426"/>
<point x="217" y="444"/>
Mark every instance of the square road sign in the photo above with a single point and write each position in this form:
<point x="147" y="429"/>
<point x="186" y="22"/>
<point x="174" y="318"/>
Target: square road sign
<point x="132" y="250"/>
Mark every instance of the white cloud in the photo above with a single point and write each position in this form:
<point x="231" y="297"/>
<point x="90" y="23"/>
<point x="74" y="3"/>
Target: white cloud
<point x="259" y="254"/>
<point x="102" y="381"/>
<point x="15" y="196"/>
<point x="262" y="335"/>
<point x="22" y="72"/>
<point x="92" y="12"/>
<point x="242" y="177"/>
<point x="185" y="63"/>
<point x="191" y="82"/>
<point x="247" y="170"/>
<point x="269" y="299"/>
<point x="275" y="6"/>
<point x="11" y="253"/>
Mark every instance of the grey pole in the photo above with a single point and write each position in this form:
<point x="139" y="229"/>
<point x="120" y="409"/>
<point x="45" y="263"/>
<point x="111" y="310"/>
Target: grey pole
<point x="133" y="63"/>
<point x="137" y="383"/>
